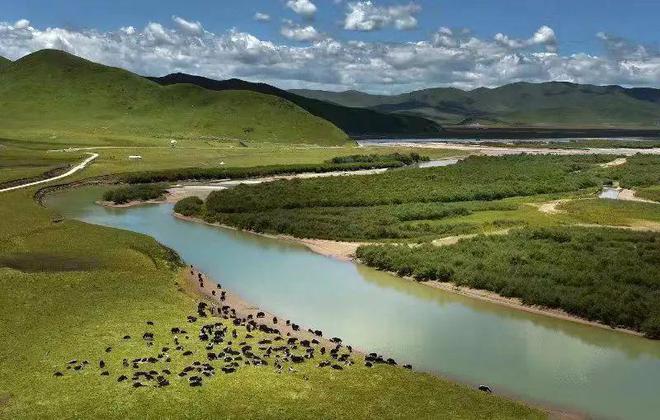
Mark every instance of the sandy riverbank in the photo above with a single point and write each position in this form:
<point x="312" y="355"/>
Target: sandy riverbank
<point x="212" y="290"/>
<point x="344" y="251"/>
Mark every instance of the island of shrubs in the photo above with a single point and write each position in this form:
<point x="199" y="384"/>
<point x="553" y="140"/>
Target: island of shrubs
<point x="399" y="204"/>
<point x="138" y="192"/>
<point x="406" y="159"/>
<point x="606" y="275"/>
<point x="189" y="206"/>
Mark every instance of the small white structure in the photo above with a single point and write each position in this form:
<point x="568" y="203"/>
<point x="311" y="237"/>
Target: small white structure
<point x="173" y="143"/>
<point x="222" y="163"/>
<point x="135" y="157"/>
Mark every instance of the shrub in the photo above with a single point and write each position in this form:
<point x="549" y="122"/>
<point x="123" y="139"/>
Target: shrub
<point x="189" y="206"/>
<point x="142" y="192"/>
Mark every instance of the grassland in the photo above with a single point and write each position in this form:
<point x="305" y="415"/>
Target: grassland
<point x="606" y="275"/>
<point x="18" y="163"/>
<point x="54" y="95"/>
<point x="650" y="193"/>
<point x="72" y="289"/>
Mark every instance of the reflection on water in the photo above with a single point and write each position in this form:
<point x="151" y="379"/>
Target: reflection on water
<point x="437" y="163"/>
<point x="539" y="358"/>
<point x="610" y="193"/>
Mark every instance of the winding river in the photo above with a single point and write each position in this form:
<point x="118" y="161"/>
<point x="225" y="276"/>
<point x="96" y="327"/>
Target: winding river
<point x="532" y="357"/>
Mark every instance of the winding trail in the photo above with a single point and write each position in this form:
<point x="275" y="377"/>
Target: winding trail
<point x="70" y="172"/>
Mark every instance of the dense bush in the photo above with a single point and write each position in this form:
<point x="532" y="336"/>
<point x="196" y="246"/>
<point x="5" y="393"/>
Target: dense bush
<point x="638" y="171"/>
<point x="140" y="192"/>
<point x="404" y="221"/>
<point x="475" y="178"/>
<point x="399" y="204"/>
<point x="172" y="175"/>
<point x="406" y="159"/>
<point x="606" y="275"/>
<point x="189" y="206"/>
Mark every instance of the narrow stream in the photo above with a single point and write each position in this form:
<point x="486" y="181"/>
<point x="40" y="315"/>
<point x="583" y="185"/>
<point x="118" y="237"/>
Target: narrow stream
<point x="604" y="373"/>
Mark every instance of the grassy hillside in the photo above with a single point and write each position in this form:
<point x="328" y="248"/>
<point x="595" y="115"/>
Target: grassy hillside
<point x="553" y="104"/>
<point x="52" y="94"/>
<point x="4" y="61"/>
<point x="356" y="122"/>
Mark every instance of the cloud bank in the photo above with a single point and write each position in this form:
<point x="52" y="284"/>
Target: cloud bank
<point x="449" y="57"/>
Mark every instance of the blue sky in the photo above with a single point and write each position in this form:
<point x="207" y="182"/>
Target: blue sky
<point x="575" y="21"/>
<point x="614" y="31"/>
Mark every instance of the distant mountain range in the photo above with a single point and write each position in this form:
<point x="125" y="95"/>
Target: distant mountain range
<point x="354" y="121"/>
<point x="54" y="94"/>
<point x="543" y="105"/>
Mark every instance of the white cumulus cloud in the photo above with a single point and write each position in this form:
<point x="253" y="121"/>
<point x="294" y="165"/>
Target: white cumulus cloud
<point x="302" y="7"/>
<point x="366" y="16"/>
<point x="296" y="32"/>
<point x="187" y="26"/>
<point x="22" y="24"/>
<point x="544" y="36"/>
<point x="262" y="17"/>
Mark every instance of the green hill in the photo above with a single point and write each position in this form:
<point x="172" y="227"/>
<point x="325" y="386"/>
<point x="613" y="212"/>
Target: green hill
<point x="552" y="104"/>
<point x="356" y="122"/>
<point x="54" y="94"/>
<point x="4" y="61"/>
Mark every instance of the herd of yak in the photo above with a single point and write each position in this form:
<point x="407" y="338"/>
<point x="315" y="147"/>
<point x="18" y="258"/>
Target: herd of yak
<point x="230" y="344"/>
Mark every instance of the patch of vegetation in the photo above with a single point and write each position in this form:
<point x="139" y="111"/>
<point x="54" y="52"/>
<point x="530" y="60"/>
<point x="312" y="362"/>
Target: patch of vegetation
<point x="403" y="221"/>
<point x="649" y="193"/>
<point x="638" y="171"/>
<point x="171" y="175"/>
<point x="137" y="192"/>
<point x="406" y="159"/>
<point x="400" y="204"/>
<point x="606" y="275"/>
<point x="189" y="206"/>
<point x="18" y="164"/>
<point x="611" y="212"/>
<point x="475" y="178"/>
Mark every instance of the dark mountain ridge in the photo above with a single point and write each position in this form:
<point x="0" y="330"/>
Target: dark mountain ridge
<point x="355" y="122"/>
<point x="543" y="105"/>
